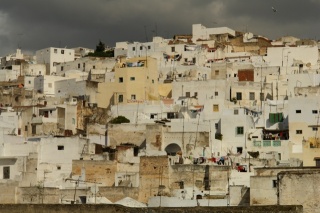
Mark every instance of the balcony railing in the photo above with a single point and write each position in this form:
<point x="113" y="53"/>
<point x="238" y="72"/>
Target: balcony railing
<point x="267" y="143"/>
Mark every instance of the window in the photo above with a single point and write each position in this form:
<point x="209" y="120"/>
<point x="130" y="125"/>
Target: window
<point x="78" y="66"/>
<point x="317" y="160"/>
<point x="133" y="49"/>
<point x="152" y="81"/>
<point x="170" y="115"/>
<point x="62" y="51"/>
<point x="239" y="130"/>
<point x="25" y="128"/>
<point x="55" y="51"/>
<point x="132" y="78"/>
<point x="58" y="167"/>
<point x="188" y="94"/>
<point x="215" y="107"/>
<point x="314" y="128"/>
<point x="60" y="147"/>
<point x="239" y="96"/>
<point x="216" y="72"/>
<point x="275" y="117"/>
<point x="120" y="98"/>
<point x="135" y="151"/>
<point x="298" y="111"/>
<point x="298" y="131"/>
<point x="153" y="115"/>
<point x="173" y="49"/>
<point x="185" y="59"/>
<point x="195" y="94"/>
<point x="120" y="79"/>
<point x="239" y="150"/>
<point x="149" y="47"/>
<point x="6" y="172"/>
<point x="314" y="111"/>
<point x="236" y="112"/>
<point x="216" y="125"/>
<point x="234" y="75"/>
<point x="133" y="97"/>
<point x="251" y="96"/>
<point x="29" y="82"/>
<point x="93" y="67"/>
<point x="61" y="68"/>
<point x="140" y="47"/>
<point x="274" y="183"/>
<point x="216" y="93"/>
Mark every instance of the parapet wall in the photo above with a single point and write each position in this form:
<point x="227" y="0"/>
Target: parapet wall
<point x="18" y="208"/>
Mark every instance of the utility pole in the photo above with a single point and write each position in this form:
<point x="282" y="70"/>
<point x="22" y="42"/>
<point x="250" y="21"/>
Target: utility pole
<point x="182" y="124"/>
<point x="261" y="87"/>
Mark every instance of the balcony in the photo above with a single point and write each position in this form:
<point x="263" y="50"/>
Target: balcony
<point x="267" y="143"/>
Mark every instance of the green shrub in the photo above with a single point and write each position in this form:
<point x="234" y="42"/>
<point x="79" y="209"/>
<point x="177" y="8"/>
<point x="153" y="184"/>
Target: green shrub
<point x="119" y="120"/>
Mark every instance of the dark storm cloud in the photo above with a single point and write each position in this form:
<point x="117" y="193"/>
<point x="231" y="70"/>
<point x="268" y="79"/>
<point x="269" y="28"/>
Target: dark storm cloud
<point x="37" y="24"/>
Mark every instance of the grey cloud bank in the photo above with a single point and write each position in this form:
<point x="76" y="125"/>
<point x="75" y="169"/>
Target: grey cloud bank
<point x="37" y="24"/>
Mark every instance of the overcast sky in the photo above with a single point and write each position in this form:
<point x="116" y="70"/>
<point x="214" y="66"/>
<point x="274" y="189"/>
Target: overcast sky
<point x="38" y="24"/>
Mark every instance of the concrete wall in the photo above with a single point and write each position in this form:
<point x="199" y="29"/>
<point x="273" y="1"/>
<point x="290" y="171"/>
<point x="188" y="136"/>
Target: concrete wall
<point x="9" y="187"/>
<point x="154" y="171"/>
<point x="262" y="190"/>
<point x="192" y="175"/>
<point x="126" y="133"/>
<point x="121" y="209"/>
<point x="300" y="187"/>
<point x="102" y="172"/>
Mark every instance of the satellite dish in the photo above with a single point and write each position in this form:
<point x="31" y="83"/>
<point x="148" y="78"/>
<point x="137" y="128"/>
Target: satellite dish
<point x="249" y="36"/>
<point x="308" y="64"/>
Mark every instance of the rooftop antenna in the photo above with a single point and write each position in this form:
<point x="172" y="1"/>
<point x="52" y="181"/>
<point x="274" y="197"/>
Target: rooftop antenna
<point x="156" y="29"/>
<point x="19" y="40"/>
<point x="145" y="32"/>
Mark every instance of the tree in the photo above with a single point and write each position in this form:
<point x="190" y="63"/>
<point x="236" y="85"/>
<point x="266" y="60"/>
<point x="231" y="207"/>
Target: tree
<point x="100" y="48"/>
<point x="101" y="51"/>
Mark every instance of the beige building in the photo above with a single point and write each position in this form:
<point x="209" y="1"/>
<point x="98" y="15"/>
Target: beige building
<point x="300" y="188"/>
<point x="268" y="185"/>
<point x="135" y="81"/>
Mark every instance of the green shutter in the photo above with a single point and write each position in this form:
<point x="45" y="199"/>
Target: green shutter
<point x="271" y="118"/>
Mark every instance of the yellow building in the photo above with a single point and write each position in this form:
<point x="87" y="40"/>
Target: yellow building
<point x="135" y="81"/>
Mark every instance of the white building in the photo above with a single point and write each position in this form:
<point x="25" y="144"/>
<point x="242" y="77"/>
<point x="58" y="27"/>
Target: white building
<point x="235" y="126"/>
<point x="34" y="83"/>
<point x="86" y="64"/>
<point x="304" y="120"/>
<point x="53" y="56"/>
<point x="294" y="58"/>
<point x="63" y="87"/>
<point x="80" y="52"/>
<point x="201" y="32"/>
<point x="55" y="158"/>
